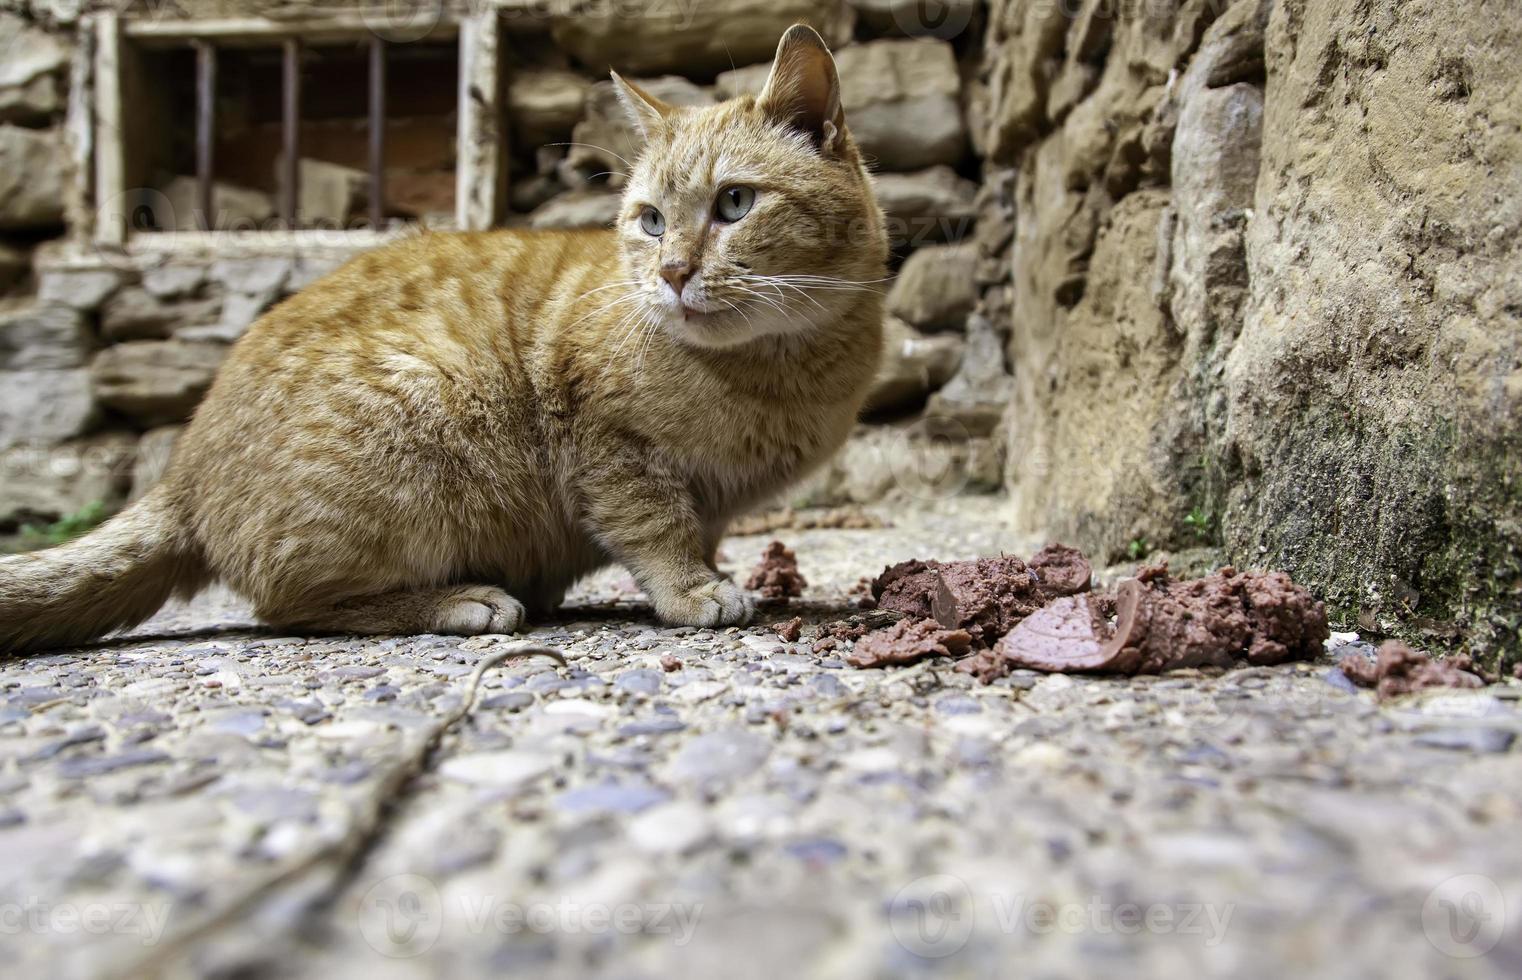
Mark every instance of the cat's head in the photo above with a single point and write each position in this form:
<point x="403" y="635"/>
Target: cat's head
<point x="754" y="217"/>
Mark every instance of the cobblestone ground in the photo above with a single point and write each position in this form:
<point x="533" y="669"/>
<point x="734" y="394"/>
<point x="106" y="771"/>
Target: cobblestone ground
<point x="206" y="798"/>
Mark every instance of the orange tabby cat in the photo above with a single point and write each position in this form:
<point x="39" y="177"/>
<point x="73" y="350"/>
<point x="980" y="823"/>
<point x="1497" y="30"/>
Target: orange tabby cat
<point x="457" y="426"/>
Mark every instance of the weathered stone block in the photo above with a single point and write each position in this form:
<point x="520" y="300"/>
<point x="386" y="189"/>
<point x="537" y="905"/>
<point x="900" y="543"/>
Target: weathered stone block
<point x="927" y="207"/>
<point x="31" y="61"/>
<point x="544" y="105"/>
<point x="577" y="209"/>
<point x="234" y="208"/>
<point x="155" y="382"/>
<point x="136" y="314"/>
<point x="45" y="406"/>
<point x="914" y="365"/>
<point x="901" y="97"/>
<point x="688" y="37"/>
<point x="83" y="289"/>
<point x="936" y="288"/>
<point x="44" y="337"/>
<point x="43" y="484"/>
<point x="31" y="179"/>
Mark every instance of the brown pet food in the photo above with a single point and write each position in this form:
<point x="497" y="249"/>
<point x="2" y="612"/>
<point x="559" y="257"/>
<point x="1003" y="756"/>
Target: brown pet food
<point x="787" y="519"/>
<point x="1152" y="624"/>
<point x="1401" y="670"/>
<point x="777" y="576"/>
<point x="985" y="596"/>
<point x="790" y="630"/>
<point x="909" y="641"/>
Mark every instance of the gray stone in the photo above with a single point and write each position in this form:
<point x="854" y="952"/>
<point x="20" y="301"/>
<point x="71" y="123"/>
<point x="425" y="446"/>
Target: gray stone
<point x="253" y="276"/>
<point x="928" y="206"/>
<point x="134" y="313"/>
<point x="639" y="681"/>
<point x="611" y="797"/>
<point x="81" y="767"/>
<point x="1468" y="739"/>
<point x="44" y="337"/>
<point x="545" y="104"/>
<point x="719" y="757"/>
<point x="31" y="61"/>
<point x="175" y="280"/>
<point x="331" y="194"/>
<point x="83" y="289"/>
<point x="31" y="179"/>
<point x="913" y="366"/>
<point x="678" y="827"/>
<point x="698" y="38"/>
<point x="155" y="382"/>
<point x="577" y="209"/>
<point x="510" y="769"/>
<point x="233" y="208"/>
<point x="974" y="401"/>
<point x="936" y="288"/>
<point x="45" y="406"/>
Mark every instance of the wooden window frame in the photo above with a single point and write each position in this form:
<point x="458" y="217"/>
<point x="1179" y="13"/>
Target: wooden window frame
<point x="481" y="158"/>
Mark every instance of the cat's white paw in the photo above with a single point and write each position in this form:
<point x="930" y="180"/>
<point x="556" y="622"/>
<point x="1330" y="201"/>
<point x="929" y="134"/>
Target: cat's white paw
<point x="478" y="610"/>
<point x="717" y="603"/>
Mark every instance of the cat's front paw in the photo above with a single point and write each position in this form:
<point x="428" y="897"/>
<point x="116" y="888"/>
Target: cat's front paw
<point x="716" y="603"/>
<point x="478" y="610"/>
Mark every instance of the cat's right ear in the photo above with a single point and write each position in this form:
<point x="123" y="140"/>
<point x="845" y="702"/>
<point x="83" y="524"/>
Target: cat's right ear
<point x="644" y="109"/>
<point x="803" y="90"/>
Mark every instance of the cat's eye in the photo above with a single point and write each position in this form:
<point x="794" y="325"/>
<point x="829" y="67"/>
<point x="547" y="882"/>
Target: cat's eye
<point x="735" y="203"/>
<point x="652" y="222"/>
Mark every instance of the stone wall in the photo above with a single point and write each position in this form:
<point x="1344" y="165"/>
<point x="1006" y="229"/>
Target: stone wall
<point x="104" y="353"/>
<point x="1264" y="290"/>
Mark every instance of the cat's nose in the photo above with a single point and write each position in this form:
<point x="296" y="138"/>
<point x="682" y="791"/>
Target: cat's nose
<point x="676" y="274"/>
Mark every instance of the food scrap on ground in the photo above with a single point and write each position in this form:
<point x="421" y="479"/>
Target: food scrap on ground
<point x="777" y="576"/>
<point x="788" y="519"/>
<point x="1039" y="614"/>
<point x="1398" y="670"/>
<point x="790" y="630"/>
<point x="985" y="596"/>
<point x="908" y="641"/>
<point x="1152" y="624"/>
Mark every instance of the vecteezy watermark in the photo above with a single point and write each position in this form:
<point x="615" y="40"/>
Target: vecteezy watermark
<point x="145" y="920"/>
<point x="405" y="915"/>
<point x="1464" y="916"/>
<point x="935" y="916"/>
<point x="944" y="19"/>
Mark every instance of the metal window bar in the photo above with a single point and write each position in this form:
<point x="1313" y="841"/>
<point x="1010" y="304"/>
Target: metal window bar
<point x="206" y="110"/>
<point x="377" y="132"/>
<point x="290" y="189"/>
<point x="290" y="122"/>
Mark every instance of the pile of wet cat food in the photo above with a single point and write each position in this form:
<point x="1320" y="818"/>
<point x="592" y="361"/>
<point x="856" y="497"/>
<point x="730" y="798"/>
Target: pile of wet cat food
<point x="777" y="575"/>
<point x="996" y="614"/>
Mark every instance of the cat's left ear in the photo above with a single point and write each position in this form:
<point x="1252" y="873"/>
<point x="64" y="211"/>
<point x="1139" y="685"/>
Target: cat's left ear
<point x="803" y="90"/>
<point x="646" y="110"/>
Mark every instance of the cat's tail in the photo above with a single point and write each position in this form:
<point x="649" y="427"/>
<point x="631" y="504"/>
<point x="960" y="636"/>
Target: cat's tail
<point x="116" y="576"/>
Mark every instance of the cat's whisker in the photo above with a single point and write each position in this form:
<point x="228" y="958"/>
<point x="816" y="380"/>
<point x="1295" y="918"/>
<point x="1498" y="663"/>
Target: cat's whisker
<point x="594" y="146"/>
<point x="778" y="286"/>
<point x="604" y="308"/>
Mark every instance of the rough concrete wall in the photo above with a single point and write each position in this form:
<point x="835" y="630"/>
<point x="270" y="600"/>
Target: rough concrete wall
<point x="1375" y="395"/>
<point x="1263" y="291"/>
